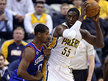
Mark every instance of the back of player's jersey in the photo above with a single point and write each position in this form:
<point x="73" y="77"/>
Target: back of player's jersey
<point x="35" y="64"/>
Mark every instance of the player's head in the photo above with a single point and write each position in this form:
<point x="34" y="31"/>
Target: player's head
<point x="72" y="16"/>
<point x="2" y="5"/>
<point x="39" y="7"/>
<point x="42" y="32"/>
<point x="18" y="34"/>
<point x="2" y="60"/>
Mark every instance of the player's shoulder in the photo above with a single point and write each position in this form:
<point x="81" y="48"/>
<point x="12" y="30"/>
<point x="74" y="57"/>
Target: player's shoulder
<point x="29" y="50"/>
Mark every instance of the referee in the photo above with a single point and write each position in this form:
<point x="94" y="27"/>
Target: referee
<point x="84" y="58"/>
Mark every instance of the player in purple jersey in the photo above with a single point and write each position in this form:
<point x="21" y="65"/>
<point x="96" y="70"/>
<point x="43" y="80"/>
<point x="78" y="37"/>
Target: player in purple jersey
<point x="30" y="63"/>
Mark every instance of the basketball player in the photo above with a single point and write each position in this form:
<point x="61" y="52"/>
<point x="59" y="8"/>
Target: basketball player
<point x="30" y="63"/>
<point x="68" y="36"/>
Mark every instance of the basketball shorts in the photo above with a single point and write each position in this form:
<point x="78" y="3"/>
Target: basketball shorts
<point x="58" y="73"/>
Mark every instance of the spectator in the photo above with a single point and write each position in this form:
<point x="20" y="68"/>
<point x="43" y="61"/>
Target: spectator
<point x="48" y="9"/>
<point x="38" y="17"/>
<point x="103" y="8"/>
<point x="60" y="18"/>
<point x="19" y="8"/>
<point x="77" y="4"/>
<point x="5" y="21"/>
<point x="3" y="69"/>
<point x="85" y="53"/>
<point x="12" y="48"/>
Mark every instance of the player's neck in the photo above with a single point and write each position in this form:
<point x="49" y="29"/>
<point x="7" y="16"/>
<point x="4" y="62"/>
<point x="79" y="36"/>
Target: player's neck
<point x="37" y="43"/>
<point x="68" y="25"/>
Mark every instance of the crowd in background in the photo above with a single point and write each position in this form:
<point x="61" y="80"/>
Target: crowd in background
<point x="17" y="21"/>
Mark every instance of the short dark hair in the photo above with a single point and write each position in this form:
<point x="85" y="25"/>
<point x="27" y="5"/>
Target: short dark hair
<point x="75" y="10"/>
<point x="2" y="55"/>
<point x="39" y="2"/>
<point x="40" y="28"/>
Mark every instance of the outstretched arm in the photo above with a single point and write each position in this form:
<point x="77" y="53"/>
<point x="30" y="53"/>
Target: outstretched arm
<point x="25" y="61"/>
<point x="94" y="40"/>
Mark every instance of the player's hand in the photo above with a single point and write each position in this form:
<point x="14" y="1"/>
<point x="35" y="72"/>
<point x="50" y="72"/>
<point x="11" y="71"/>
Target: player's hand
<point x="83" y="10"/>
<point x="46" y="51"/>
<point x="39" y="76"/>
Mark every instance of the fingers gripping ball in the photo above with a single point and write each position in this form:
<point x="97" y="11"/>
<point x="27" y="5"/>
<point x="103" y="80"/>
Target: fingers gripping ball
<point x="92" y="9"/>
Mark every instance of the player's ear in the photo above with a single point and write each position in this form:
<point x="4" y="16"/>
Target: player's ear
<point x="39" y="34"/>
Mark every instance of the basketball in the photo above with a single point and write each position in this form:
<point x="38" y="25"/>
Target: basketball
<point x="92" y="9"/>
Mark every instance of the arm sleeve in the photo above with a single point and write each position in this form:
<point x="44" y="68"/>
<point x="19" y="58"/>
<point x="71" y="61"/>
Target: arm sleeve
<point x="4" y="49"/>
<point x="10" y="19"/>
<point x="71" y="33"/>
<point x="49" y="23"/>
<point x="30" y="6"/>
<point x="9" y="7"/>
<point x="27" y="24"/>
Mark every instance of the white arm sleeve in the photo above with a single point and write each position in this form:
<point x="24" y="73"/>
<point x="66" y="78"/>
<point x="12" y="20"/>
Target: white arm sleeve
<point x="71" y="33"/>
<point x="76" y="26"/>
<point x="9" y="7"/>
<point x="27" y="24"/>
<point x="49" y="23"/>
<point x="30" y="6"/>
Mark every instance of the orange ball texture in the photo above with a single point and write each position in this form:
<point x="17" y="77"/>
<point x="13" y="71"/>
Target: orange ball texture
<point x="92" y="9"/>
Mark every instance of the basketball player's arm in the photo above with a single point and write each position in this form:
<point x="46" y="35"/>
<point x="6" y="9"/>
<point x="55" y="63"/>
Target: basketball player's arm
<point x="97" y="40"/>
<point x="27" y="57"/>
<point x="61" y="30"/>
<point x="58" y="31"/>
<point x="70" y="33"/>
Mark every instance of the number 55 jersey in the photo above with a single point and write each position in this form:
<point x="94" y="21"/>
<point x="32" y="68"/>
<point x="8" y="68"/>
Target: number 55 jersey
<point x="59" y="60"/>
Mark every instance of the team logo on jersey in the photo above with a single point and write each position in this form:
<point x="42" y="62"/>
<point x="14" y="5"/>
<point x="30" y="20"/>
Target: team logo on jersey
<point x="37" y="52"/>
<point x="74" y="42"/>
<point x="39" y="59"/>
